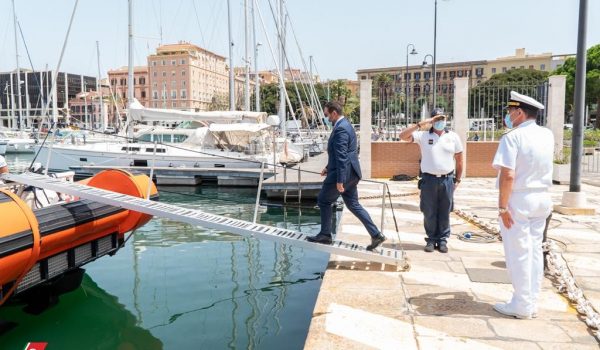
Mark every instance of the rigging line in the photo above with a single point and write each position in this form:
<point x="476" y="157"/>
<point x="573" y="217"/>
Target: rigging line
<point x="281" y="78"/>
<point x="30" y="167"/>
<point x="310" y="78"/>
<point x="30" y="63"/>
<point x="199" y="26"/>
<point x="215" y="19"/>
<point x="176" y="15"/>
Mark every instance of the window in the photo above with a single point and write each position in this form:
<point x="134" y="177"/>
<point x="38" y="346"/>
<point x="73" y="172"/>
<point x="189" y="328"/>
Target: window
<point x="154" y="74"/>
<point x="418" y="76"/>
<point x="155" y="94"/>
<point x="173" y="83"/>
<point x="143" y="93"/>
<point x="406" y="76"/>
<point x="542" y="67"/>
<point x="164" y="74"/>
<point x="183" y="93"/>
<point x="113" y="82"/>
<point x="183" y="83"/>
<point x="504" y="70"/>
<point x="174" y="104"/>
<point x="438" y="75"/>
<point x="173" y="94"/>
<point x="362" y="77"/>
<point x="153" y="63"/>
<point x="512" y="67"/>
<point x="154" y="84"/>
<point x="522" y="67"/>
<point x="182" y="61"/>
<point x="172" y="73"/>
<point x="142" y="81"/>
<point x="479" y="72"/>
<point x="445" y="76"/>
<point x="460" y="73"/>
<point x="123" y="82"/>
<point x="493" y="70"/>
<point x="427" y="75"/>
<point x="173" y="62"/>
<point x="531" y="66"/>
<point x="452" y="74"/>
<point x="183" y="73"/>
<point x="164" y="62"/>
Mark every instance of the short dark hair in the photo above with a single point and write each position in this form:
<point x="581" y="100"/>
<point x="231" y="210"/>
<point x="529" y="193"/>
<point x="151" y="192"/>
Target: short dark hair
<point x="333" y="106"/>
<point x="530" y="112"/>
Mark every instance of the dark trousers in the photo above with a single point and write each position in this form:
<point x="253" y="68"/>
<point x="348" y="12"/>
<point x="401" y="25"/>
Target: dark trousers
<point x="330" y="194"/>
<point x="436" y="204"/>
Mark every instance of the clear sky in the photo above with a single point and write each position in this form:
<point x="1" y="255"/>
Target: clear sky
<point x="341" y="35"/>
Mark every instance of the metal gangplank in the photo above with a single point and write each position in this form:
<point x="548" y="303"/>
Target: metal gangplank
<point x="200" y="218"/>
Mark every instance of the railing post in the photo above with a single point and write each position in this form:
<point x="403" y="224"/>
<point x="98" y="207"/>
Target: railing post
<point x="382" y="208"/>
<point x="285" y="184"/>
<point x="299" y="182"/>
<point x="151" y="171"/>
<point x="260" y="181"/>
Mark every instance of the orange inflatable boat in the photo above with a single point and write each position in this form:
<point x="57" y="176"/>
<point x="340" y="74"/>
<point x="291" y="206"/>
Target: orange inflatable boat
<point x="39" y="245"/>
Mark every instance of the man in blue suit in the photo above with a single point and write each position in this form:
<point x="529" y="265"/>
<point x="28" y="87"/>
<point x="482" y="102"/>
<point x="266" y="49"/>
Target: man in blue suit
<point x="342" y="176"/>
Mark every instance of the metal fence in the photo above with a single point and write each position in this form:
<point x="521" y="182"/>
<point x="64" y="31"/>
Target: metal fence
<point x="396" y="105"/>
<point x="489" y="101"/>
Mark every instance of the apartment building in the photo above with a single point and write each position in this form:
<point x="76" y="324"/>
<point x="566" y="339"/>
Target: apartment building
<point x="188" y="77"/>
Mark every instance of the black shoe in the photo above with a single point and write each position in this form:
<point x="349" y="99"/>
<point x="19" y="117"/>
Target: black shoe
<point x="320" y="238"/>
<point x="429" y="248"/>
<point x="443" y="247"/>
<point x="376" y="241"/>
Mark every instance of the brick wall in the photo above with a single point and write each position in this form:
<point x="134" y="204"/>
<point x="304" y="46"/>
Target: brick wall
<point x="393" y="158"/>
<point x="479" y="158"/>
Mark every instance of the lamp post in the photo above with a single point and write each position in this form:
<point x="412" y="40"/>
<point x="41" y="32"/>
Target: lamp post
<point x="413" y="52"/>
<point x="425" y="64"/>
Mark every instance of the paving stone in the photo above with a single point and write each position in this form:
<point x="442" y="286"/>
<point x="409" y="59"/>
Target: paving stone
<point x="578" y="331"/>
<point x="587" y="283"/>
<point x="532" y="330"/>
<point x="387" y="302"/>
<point x="584" y="248"/>
<point x="372" y="330"/>
<point x="455" y="304"/>
<point x="456" y="266"/>
<point x="568" y="346"/>
<point x="436" y="326"/>
<point x="451" y="343"/>
<point x="510" y="344"/>
<point x="348" y="279"/>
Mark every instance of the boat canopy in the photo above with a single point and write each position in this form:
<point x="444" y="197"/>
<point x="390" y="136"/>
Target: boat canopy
<point x="138" y="112"/>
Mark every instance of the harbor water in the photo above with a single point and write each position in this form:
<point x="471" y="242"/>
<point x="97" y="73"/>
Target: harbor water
<point x="174" y="286"/>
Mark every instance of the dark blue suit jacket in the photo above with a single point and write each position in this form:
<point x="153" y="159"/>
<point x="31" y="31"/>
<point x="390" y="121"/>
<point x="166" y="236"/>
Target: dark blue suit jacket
<point x="342" y="152"/>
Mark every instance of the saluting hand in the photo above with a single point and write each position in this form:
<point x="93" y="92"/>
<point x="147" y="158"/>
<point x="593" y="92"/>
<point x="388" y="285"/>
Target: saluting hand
<point x="340" y="187"/>
<point x="507" y="219"/>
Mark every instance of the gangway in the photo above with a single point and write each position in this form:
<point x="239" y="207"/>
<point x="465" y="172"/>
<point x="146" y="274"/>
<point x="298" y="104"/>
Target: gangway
<point x="200" y="218"/>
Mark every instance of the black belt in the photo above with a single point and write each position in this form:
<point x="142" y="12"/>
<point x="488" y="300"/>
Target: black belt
<point x="443" y="175"/>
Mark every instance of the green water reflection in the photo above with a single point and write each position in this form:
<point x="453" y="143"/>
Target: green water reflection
<point x="174" y="286"/>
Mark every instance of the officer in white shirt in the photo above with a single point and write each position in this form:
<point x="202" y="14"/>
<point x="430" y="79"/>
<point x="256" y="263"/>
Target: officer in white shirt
<point x="524" y="162"/>
<point x="441" y="171"/>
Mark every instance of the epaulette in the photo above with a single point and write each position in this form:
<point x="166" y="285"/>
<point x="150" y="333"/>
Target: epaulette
<point x="509" y="131"/>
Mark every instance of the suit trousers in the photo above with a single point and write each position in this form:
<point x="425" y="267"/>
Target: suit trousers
<point x="329" y="194"/>
<point x="523" y="247"/>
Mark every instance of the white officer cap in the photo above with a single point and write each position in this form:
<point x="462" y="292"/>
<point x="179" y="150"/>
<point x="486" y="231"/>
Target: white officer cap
<point x="519" y="100"/>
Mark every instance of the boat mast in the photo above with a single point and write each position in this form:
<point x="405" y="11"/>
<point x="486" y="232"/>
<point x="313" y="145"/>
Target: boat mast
<point x="20" y="108"/>
<point x="130" y="79"/>
<point x="99" y="88"/>
<point x="247" y="61"/>
<point x="256" y="77"/>
<point x="231" y="88"/>
<point x="281" y="37"/>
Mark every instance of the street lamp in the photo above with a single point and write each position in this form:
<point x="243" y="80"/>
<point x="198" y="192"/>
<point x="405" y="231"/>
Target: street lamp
<point x="413" y="52"/>
<point x="425" y="65"/>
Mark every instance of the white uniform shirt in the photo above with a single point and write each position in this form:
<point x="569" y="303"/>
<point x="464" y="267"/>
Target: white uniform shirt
<point x="437" y="152"/>
<point x="2" y="162"/>
<point x="528" y="150"/>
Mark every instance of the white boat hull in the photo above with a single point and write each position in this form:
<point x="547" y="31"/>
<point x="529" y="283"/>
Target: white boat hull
<point x="64" y="156"/>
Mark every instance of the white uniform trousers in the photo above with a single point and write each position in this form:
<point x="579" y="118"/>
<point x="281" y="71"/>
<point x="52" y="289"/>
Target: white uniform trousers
<point x="523" y="247"/>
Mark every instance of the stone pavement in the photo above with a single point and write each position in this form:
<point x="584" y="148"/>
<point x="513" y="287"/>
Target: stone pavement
<point x="445" y="300"/>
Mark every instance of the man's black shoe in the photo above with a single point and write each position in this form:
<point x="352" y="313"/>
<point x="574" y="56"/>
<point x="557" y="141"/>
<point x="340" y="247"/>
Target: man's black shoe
<point x="429" y="248"/>
<point x="376" y="241"/>
<point x="323" y="239"/>
<point x="442" y="247"/>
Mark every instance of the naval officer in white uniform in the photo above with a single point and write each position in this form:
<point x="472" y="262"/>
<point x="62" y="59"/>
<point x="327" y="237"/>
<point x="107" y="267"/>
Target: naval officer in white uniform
<point x="524" y="162"/>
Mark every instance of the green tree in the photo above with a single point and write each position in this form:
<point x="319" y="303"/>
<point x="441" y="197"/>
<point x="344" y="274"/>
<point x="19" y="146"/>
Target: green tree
<point x="592" y="80"/>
